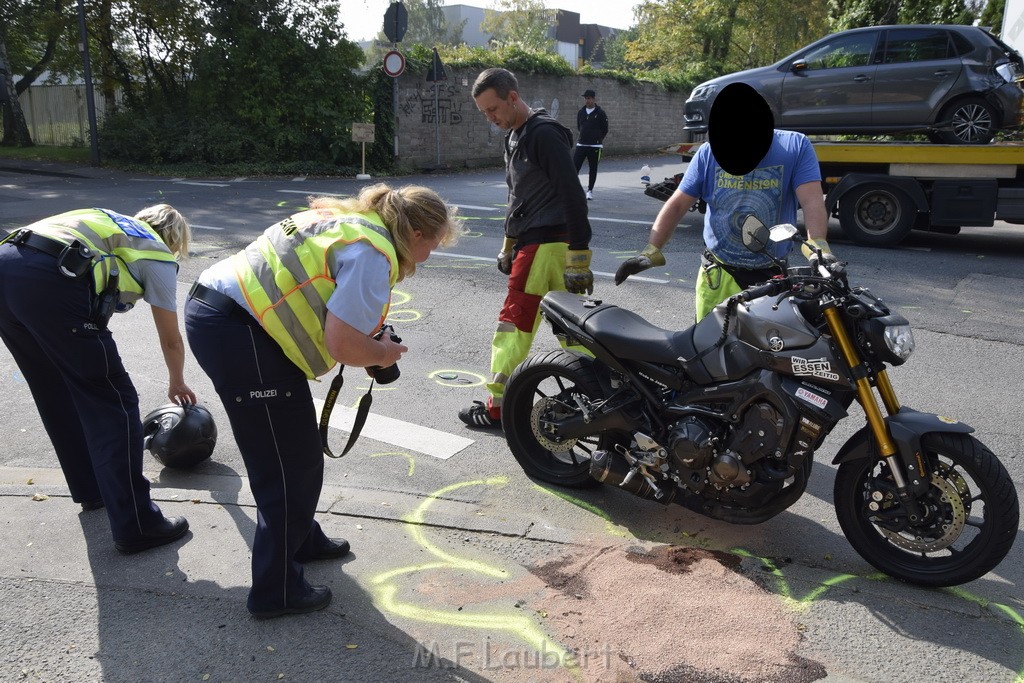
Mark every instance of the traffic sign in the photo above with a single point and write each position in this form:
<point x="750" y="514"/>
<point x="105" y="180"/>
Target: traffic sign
<point x="396" y="21"/>
<point x="394" y="63"/>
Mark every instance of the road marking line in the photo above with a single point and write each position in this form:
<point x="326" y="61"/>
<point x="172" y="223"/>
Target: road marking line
<point x="206" y="227"/>
<point x="406" y="435"/>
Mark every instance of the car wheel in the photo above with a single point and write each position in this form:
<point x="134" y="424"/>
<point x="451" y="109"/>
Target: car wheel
<point x="970" y="121"/>
<point x="876" y="215"/>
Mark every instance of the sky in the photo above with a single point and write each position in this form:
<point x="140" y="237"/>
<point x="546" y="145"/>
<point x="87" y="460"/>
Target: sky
<point x="363" y="19"/>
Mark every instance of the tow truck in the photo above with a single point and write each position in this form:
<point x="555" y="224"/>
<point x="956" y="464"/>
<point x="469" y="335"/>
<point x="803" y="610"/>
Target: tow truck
<point x="880" y="191"/>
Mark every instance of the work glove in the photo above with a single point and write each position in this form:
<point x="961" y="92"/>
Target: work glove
<point x="578" y="278"/>
<point x="506" y="255"/>
<point x="651" y="256"/>
<point x="808" y="250"/>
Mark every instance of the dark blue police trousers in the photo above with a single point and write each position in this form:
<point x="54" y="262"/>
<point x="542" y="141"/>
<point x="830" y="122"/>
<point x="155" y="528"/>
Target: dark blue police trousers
<point x="270" y="408"/>
<point x="85" y="398"/>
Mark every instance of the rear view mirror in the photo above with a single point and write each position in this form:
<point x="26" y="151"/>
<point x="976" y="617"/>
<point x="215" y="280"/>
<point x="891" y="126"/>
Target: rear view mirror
<point x="755" y="234"/>
<point x="782" y="232"/>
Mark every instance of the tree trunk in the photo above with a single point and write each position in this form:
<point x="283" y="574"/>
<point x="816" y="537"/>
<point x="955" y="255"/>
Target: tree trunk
<point x="15" y="127"/>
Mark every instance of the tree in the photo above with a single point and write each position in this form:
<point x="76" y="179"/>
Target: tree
<point x="15" y="128"/>
<point x="699" y="39"/>
<point x="427" y="26"/>
<point x="34" y="34"/>
<point x="992" y="16"/>
<point x="524" y="23"/>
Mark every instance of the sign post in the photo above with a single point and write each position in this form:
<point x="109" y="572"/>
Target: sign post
<point x="363" y="133"/>
<point x="435" y="75"/>
<point x="396" y="22"/>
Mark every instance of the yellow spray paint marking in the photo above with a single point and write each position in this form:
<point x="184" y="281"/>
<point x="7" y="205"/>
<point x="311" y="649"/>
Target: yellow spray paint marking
<point x="385" y="591"/>
<point x="399" y="298"/>
<point x="407" y="456"/>
<point x="609" y="526"/>
<point x="804" y="602"/>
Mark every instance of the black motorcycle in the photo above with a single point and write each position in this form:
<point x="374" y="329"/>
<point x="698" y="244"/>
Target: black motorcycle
<point x="724" y="418"/>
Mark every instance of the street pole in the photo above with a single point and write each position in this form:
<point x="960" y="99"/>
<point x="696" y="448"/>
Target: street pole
<point x="90" y="102"/>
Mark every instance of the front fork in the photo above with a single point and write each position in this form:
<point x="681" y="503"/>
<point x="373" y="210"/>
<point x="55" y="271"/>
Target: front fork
<point x="866" y="398"/>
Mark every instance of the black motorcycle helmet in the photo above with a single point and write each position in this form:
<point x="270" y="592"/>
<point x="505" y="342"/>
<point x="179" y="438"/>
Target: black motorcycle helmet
<point x="179" y="436"/>
<point x="740" y="128"/>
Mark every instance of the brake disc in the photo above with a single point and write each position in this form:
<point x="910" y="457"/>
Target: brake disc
<point x="952" y="493"/>
<point x="546" y="410"/>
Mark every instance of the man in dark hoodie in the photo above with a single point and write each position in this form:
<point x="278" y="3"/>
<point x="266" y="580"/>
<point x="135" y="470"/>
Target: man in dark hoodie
<point x="547" y="233"/>
<point x="592" y="123"/>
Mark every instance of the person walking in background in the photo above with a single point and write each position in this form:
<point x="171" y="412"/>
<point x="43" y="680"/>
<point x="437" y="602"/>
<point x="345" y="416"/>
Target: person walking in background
<point x="309" y="293"/>
<point x="592" y="124"/>
<point x="547" y="233"/>
<point x="747" y="168"/>
<point x="61" y="278"/>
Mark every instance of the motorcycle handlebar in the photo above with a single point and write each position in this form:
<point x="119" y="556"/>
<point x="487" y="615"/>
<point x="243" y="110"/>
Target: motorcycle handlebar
<point x="767" y="289"/>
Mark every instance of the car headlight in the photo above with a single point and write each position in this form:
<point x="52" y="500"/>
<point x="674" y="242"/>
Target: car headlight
<point x="703" y="92"/>
<point x="891" y="338"/>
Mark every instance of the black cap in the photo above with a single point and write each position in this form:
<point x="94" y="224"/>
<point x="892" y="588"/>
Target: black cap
<point x="589" y="93"/>
<point x="740" y="128"/>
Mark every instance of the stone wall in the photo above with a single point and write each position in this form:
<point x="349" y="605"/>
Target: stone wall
<point x="642" y="118"/>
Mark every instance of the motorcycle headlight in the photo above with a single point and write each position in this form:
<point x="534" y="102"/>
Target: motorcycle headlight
<point x="891" y="338"/>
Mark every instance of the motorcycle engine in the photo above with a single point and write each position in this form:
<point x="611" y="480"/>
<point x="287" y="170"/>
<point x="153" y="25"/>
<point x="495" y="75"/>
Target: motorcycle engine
<point x="694" y="445"/>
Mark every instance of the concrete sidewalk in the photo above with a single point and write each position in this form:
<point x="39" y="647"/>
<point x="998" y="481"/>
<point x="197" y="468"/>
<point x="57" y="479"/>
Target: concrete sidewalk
<point x="77" y="610"/>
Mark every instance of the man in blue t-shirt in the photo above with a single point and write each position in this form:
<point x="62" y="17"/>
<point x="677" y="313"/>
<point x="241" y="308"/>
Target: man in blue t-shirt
<point x="747" y="168"/>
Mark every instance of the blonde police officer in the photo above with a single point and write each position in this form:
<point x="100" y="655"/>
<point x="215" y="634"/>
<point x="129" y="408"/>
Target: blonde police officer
<point x="307" y="294"/>
<point x="60" y="279"/>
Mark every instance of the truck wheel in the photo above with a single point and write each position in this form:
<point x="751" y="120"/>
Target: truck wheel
<point x="876" y="215"/>
<point x="971" y="121"/>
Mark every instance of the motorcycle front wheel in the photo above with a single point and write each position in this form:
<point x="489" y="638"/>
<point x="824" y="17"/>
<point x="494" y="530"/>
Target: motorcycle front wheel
<point x="970" y="513"/>
<point x="545" y="389"/>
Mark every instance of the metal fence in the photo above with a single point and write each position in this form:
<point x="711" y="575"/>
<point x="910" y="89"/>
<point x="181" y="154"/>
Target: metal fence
<point x="57" y="114"/>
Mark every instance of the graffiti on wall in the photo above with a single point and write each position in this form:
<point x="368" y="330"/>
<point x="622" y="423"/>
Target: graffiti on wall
<point x="446" y="110"/>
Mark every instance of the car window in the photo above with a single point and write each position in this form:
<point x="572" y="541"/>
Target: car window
<point x="962" y="44"/>
<point x="851" y="50"/>
<point x="916" y="45"/>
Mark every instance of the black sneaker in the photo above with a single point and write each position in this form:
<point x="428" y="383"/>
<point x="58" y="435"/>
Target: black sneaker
<point x="479" y="415"/>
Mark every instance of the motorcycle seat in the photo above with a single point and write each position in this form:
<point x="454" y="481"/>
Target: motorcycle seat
<point x="624" y="333"/>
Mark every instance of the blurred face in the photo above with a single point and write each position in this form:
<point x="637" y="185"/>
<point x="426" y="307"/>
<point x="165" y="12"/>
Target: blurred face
<point x="506" y="114"/>
<point x="422" y="245"/>
<point x="589" y="102"/>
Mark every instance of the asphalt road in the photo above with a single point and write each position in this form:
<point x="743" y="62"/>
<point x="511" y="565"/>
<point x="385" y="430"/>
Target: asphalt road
<point x="842" y="621"/>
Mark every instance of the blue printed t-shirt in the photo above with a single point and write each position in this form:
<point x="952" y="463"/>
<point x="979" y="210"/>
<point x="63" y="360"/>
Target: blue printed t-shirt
<point x="768" y="192"/>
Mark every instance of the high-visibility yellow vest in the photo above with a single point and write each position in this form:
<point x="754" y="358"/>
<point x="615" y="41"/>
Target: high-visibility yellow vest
<point x="287" y="278"/>
<point x="112" y="237"/>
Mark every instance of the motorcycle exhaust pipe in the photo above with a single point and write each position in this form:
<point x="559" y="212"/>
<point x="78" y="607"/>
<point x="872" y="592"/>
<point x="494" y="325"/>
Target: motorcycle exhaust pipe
<point x="614" y="471"/>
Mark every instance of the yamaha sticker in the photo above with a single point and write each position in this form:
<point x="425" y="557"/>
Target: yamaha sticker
<point x="812" y="398"/>
<point x="815" y="367"/>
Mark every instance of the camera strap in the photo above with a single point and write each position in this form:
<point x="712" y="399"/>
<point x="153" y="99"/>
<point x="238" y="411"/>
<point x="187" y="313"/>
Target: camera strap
<point x="360" y="419"/>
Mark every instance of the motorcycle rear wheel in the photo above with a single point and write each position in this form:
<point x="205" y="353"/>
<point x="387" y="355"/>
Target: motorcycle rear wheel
<point x="545" y="387"/>
<point x="972" y="522"/>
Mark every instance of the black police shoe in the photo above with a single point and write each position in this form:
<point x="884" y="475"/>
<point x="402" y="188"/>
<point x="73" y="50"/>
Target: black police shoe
<point x="329" y="549"/>
<point x="316" y="598"/>
<point x="167" y="531"/>
<point x="89" y="505"/>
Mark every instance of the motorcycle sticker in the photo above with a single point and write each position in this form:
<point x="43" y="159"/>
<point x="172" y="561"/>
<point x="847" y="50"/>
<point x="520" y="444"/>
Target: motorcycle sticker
<point x="815" y="367"/>
<point x="812" y="398"/>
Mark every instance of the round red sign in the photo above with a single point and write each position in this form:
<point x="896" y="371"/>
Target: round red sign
<point x="394" y="63"/>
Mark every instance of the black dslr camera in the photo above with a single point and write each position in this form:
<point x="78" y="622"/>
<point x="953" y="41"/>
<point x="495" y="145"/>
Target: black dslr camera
<point x="391" y="373"/>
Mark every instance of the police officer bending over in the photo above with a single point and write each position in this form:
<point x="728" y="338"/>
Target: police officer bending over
<point x="309" y="293"/>
<point x="60" y="280"/>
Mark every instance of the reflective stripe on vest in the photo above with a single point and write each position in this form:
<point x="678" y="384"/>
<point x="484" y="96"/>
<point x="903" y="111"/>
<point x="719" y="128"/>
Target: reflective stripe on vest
<point x="112" y="236"/>
<point x="287" y="278"/>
